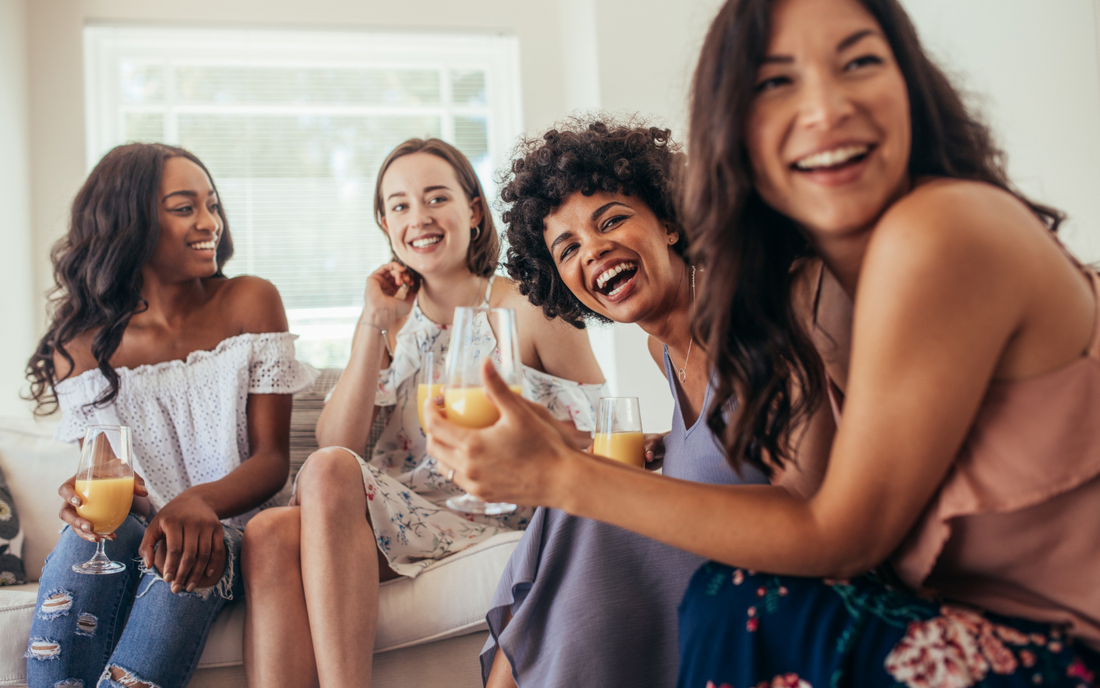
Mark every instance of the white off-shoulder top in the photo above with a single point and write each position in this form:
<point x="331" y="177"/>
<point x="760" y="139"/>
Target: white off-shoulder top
<point x="189" y="418"/>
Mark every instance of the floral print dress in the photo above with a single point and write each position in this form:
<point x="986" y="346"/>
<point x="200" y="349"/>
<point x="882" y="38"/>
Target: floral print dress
<point x="406" y="494"/>
<point x="788" y="632"/>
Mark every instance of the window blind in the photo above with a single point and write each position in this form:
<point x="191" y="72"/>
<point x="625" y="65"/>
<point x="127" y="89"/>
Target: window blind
<point x="293" y="126"/>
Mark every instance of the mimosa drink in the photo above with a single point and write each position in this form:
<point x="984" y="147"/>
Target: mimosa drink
<point x="625" y="447"/>
<point x="423" y="393"/>
<point x="470" y="408"/>
<point x="106" y="501"/>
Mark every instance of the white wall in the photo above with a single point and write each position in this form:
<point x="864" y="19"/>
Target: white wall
<point x="1034" y="68"/>
<point x="17" y="277"/>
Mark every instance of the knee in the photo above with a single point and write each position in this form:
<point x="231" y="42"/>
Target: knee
<point x="271" y="542"/>
<point x="330" y="475"/>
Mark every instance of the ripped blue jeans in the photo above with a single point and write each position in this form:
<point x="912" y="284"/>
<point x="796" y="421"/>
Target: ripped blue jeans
<point x="86" y="625"/>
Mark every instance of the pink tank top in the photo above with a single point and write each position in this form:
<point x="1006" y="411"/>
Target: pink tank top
<point x="1015" y="527"/>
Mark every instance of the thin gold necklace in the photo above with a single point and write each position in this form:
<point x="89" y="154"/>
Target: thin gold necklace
<point x="682" y="372"/>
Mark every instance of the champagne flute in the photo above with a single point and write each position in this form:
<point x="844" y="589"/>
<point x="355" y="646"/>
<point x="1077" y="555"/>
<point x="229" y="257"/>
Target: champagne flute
<point x="105" y="481"/>
<point x="619" y="431"/>
<point x="429" y="382"/>
<point x="477" y="334"/>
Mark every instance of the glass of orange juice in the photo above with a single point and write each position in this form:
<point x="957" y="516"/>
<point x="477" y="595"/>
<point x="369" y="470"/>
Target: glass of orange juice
<point x="477" y="334"/>
<point x="429" y="382"/>
<point x="105" y="481"/>
<point x="619" y="431"/>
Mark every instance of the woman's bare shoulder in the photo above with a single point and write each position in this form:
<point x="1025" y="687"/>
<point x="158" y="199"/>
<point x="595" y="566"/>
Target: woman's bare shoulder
<point x="251" y="303"/>
<point x="80" y="349"/>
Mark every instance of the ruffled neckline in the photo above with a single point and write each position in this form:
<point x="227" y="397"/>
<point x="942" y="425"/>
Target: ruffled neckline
<point x="193" y="358"/>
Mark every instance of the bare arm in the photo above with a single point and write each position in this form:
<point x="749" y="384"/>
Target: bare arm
<point x="346" y="419"/>
<point x="938" y="301"/>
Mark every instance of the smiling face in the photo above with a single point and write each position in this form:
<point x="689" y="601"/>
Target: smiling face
<point x="190" y="223"/>
<point x="829" y="130"/>
<point x="427" y="215"/>
<point x="615" y="255"/>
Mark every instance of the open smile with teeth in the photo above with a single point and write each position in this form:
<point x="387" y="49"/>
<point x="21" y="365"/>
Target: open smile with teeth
<point x="424" y="242"/>
<point x="208" y="245"/>
<point x="832" y="158"/>
<point x="612" y="280"/>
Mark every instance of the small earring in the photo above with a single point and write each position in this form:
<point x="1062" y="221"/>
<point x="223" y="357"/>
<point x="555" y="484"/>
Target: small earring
<point x="672" y="240"/>
<point x="477" y="232"/>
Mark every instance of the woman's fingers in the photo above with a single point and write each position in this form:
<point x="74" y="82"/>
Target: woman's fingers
<point x="139" y="486"/>
<point x="80" y="525"/>
<point x="147" y="549"/>
<point x="502" y="397"/>
<point x="189" y="558"/>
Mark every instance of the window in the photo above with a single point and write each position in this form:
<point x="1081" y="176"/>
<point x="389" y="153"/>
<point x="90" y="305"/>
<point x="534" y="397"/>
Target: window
<point x="293" y="126"/>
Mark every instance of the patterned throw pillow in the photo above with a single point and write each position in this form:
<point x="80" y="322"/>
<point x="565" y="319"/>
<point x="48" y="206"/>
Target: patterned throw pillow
<point x="11" y="539"/>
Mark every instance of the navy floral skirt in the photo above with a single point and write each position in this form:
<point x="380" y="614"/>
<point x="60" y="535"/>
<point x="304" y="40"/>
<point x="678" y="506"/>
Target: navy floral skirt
<point x="740" y="629"/>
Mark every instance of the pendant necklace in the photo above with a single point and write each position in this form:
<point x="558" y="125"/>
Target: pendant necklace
<point x="682" y="372"/>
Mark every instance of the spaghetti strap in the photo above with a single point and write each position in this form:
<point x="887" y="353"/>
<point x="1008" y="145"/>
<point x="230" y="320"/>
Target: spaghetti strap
<point x="489" y="290"/>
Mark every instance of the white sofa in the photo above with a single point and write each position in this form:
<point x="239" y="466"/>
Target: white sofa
<point x="430" y="629"/>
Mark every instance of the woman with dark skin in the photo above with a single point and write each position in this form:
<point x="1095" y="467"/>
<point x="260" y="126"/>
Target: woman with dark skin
<point x="148" y="332"/>
<point x="936" y="312"/>
<point x="566" y="611"/>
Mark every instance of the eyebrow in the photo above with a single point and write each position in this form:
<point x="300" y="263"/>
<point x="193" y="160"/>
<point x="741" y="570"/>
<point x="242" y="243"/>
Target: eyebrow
<point x="189" y="194"/>
<point x="427" y="189"/>
<point x="595" y="216"/>
<point x="844" y="44"/>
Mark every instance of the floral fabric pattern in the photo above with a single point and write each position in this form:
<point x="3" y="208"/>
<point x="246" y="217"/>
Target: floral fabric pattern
<point x="406" y="494"/>
<point x="742" y="628"/>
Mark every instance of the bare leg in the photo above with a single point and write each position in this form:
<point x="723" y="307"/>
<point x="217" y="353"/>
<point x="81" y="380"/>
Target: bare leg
<point x="278" y="649"/>
<point x="339" y="567"/>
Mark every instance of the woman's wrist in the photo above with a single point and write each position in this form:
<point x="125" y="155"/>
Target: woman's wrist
<point x="381" y="319"/>
<point x="571" y="471"/>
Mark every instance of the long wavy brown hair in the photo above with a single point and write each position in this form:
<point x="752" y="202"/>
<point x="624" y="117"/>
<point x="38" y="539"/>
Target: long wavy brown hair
<point x="760" y="352"/>
<point x="113" y="233"/>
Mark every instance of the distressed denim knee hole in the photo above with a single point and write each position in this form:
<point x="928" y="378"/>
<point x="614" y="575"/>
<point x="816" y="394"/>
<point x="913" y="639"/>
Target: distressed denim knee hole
<point x="86" y="624"/>
<point x="114" y="675"/>
<point x="43" y="649"/>
<point x="57" y="604"/>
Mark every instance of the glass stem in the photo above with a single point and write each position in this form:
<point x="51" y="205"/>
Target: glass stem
<point x="100" y="550"/>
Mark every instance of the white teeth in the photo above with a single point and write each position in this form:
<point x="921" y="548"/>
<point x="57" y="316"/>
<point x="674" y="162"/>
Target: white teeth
<point x="204" y="245"/>
<point x="831" y="157"/>
<point x="611" y="272"/>
<point x="426" y="241"/>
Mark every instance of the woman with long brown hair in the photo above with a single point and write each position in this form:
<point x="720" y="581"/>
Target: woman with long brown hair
<point x="915" y="361"/>
<point x="148" y="332"/>
<point x="313" y="568"/>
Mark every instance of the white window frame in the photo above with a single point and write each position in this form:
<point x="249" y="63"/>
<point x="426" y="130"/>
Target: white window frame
<point x="496" y="54"/>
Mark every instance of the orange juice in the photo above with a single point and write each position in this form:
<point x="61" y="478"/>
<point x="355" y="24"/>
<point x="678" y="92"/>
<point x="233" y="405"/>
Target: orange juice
<point x="625" y="447"/>
<point x="106" y="502"/>
<point x="423" y="393"/>
<point x="470" y="408"/>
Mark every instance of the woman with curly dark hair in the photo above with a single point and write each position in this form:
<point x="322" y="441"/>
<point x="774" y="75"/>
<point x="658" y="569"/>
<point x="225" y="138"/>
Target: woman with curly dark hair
<point x="594" y="235"/>
<point x="148" y="332"/>
<point x="866" y="260"/>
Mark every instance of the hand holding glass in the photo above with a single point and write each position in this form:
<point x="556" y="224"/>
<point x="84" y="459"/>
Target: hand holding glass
<point x="105" y="482"/>
<point x="480" y="333"/>
<point x="619" y="431"/>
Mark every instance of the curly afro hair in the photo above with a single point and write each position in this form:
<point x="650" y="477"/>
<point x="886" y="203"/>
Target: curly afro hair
<point x="585" y="155"/>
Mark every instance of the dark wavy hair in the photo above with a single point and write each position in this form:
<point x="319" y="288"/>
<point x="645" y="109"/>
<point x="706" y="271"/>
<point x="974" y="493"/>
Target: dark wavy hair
<point x="483" y="255"/>
<point x="586" y="155"/>
<point x="759" y="350"/>
<point x="97" y="266"/>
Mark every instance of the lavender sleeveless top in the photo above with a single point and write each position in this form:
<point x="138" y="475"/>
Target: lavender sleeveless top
<point x="593" y="604"/>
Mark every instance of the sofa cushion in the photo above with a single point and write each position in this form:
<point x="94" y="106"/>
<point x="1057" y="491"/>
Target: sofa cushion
<point x="11" y="539"/>
<point x="35" y="466"/>
<point x="449" y="598"/>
